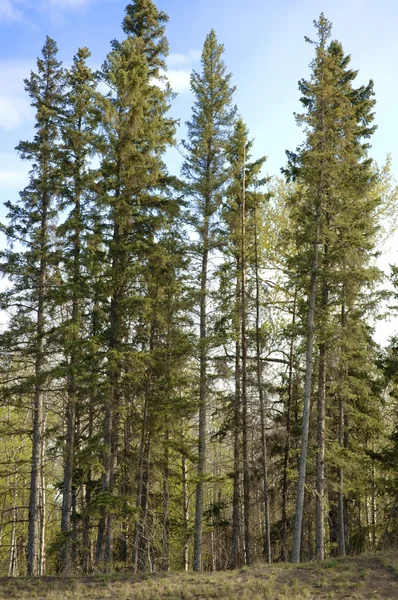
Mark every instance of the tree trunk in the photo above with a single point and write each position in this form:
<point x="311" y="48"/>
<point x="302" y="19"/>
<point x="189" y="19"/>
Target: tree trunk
<point x="67" y="565"/>
<point x="42" y="506"/>
<point x="298" y="522"/>
<point x="113" y="397"/>
<point x="340" y="471"/>
<point x="198" y="532"/>
<point x="86" y="524"/>
<point x="237" y="427"/>
<point x="104" y="537"/>
<point x="374" y="507"/>
<point x="127" y="479"/>
<point x="245" y="441"/>
<point x="93" y="399"/>
<point x="139" y="543"/>
<point x="288" y="427"/>
<point x="143" y="529"/>
<point x="185" y="503"/>
<point x="38" y="407"/>
<point x="12" y="563"/>
<point x="264" y="458"/>
<point x="320" y="470"/>
<point x="140" y="484"/>
<point x="166" y="517"/>
<point x="321" y="418"/>
<point x="34" y="498"/>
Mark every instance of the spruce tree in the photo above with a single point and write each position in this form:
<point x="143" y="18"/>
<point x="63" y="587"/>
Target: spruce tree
<point x="333" y="172"/>
<point x="29" y="269"/>
<point x="205" y="173"/>
<point x="79" y="141"/>
<point x="136" y="134"/>
<point x="239" y="220"/>
<point x="106" y="275"/>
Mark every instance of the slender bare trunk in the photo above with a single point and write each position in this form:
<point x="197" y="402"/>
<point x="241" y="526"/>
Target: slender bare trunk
<point x="38" y="406"/>
<point x="12" y="563"/>
<point x="87" y="559"/>
<point x="166" y="517"/>
<point x="245" y="425"/>
<point x="320" y="471"/>
<point x="140" y="484"/>
<point x="374" y="507"/>
<point x="288" y="427"/>
<point x="143" y="526"/>
<point x="140" y="487"/>
<point x="298" y="522"/>
<point x="3" y="511"/>
<point x="140" y="533"/>
<point x="34" y="498"/>
<point x="104" y="554"/>
<point x="185" y="502"/>
<point x="66" y="565"/>
<point x="87" y="543"/>
<point x="264" y="458"/>
<point x="321" y="418"/>
<point x="340" y="499"/>
<point x="104" y="537"/>
<point x="340" y="471"/>
<point x="237" y="427"/>
<point x="43" y="506"/>
<point x="69" y="456"/>
<point x="198" y="532"/>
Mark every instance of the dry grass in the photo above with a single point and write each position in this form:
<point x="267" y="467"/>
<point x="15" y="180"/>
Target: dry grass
<point x="367" y="577"/>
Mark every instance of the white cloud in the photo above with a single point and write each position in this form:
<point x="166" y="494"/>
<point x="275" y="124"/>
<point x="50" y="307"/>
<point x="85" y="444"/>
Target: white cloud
<point x="179" y="79"/>
<point x="182" y="60"/>
<point x="180" y="68"/>
<point x="8" y="12"/>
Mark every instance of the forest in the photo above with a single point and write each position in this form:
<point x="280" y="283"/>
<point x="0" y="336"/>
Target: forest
<point x="189" y="376"/>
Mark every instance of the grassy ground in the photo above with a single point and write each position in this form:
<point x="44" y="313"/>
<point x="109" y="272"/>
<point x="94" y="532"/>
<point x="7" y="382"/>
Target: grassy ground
<point x="367" y="577"/>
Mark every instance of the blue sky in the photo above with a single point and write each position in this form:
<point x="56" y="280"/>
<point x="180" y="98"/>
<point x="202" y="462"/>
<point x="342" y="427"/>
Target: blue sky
<point x="264" y="50"/>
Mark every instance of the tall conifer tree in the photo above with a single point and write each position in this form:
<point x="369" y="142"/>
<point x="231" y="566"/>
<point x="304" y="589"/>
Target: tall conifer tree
<point x="238" y="215"/>
<point x="205" y="173"/>
<point x="332" y="171"/>
<point x="31" y="224"/>
<point x="78" y="134"/>
<point x="137" y="132"/>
